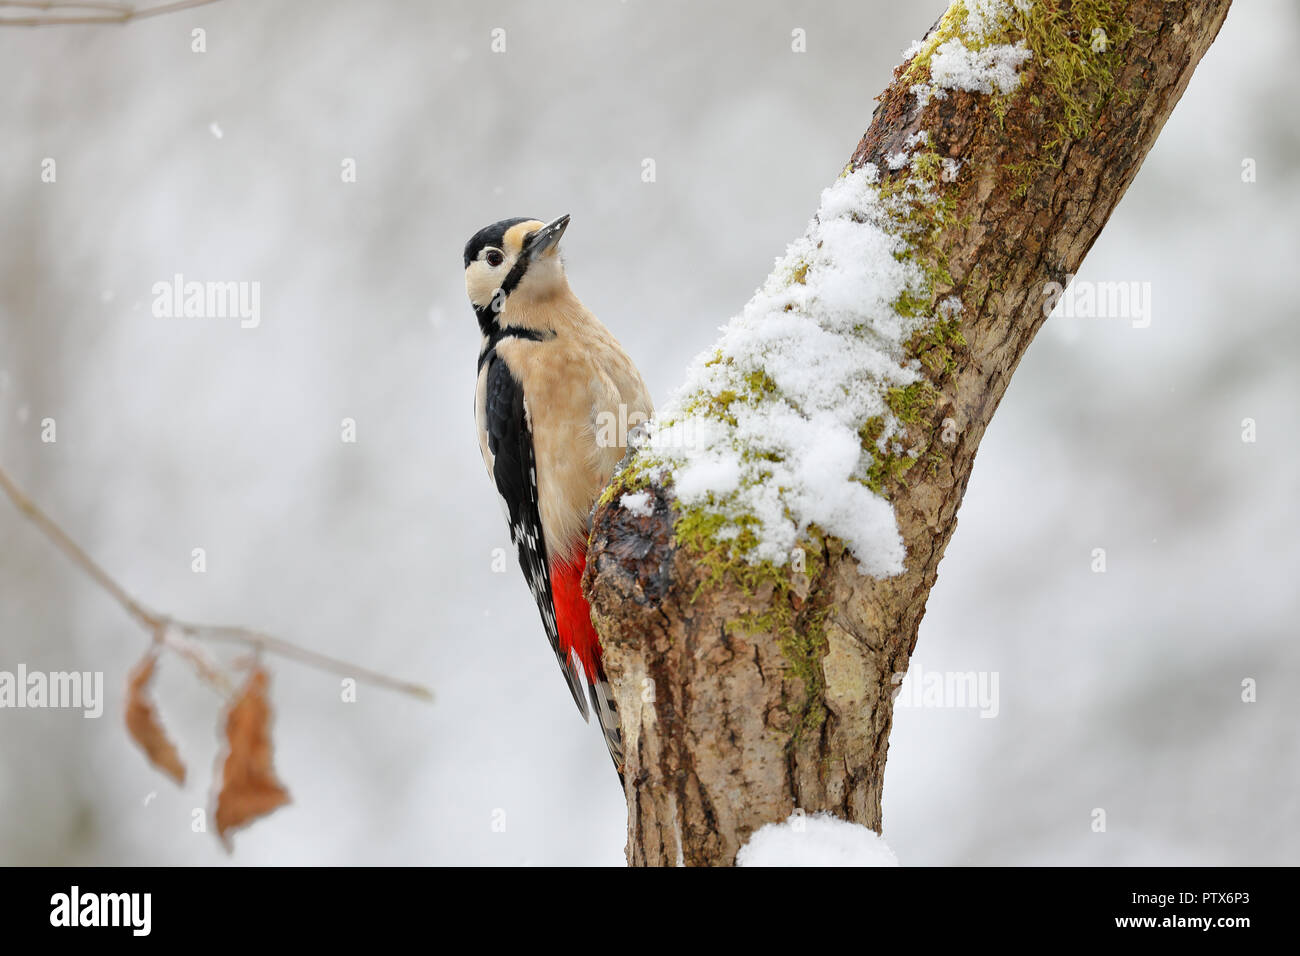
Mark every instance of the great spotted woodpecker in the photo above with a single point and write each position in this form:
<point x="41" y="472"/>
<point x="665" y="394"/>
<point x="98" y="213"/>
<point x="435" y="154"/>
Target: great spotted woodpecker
<point x="555" y="394"/>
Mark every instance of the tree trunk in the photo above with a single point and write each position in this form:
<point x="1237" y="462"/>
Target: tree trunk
<point x="747" y="692"/>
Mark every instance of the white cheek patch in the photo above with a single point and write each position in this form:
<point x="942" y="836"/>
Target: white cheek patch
<point x="482" y="281"/>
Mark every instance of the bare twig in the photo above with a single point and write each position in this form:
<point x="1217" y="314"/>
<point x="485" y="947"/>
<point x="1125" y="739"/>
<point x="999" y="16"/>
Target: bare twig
<point x="103" y="12"/>
<point x="274" y="645"/>
<point x="119" y="9"/>
<point x="165" y="629"/>
<point x="147" y="619"/>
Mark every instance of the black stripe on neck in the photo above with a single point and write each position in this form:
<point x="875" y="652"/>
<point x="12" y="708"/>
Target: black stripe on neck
<point x="498" y="334"/>
<point x="516" y="272"/>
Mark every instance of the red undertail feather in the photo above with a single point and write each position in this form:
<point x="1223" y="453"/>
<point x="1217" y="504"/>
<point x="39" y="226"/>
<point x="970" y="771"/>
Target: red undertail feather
<point x="573" y="615"/>
<point x="578" y="638"/>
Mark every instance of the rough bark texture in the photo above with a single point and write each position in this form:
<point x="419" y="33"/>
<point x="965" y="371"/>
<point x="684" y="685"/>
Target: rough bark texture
<point x="724" y="730"/>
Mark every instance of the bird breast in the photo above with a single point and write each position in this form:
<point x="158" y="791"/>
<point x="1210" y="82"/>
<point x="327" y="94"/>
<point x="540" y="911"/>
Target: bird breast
<point x="579" y="403"/>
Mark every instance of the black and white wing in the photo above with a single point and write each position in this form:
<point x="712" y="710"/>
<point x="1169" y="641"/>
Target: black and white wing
<point x="506" y="431"/>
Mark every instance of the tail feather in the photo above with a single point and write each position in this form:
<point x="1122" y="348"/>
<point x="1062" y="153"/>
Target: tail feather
<point x="578" y="640"/>
<point x="606" y="711"/>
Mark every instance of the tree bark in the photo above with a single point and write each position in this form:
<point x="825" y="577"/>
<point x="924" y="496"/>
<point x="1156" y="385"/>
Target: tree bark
<point x="726" y="728"/>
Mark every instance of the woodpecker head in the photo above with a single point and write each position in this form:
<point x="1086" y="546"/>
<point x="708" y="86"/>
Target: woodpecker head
<point x="514" y="261"/>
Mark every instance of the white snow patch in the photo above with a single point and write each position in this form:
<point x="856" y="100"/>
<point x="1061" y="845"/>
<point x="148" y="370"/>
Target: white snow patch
<point x="924" y="92"/>
<point x="817" y="840"/>
<point x="901" y="158"/>
<point x="638" y="503"/>
<point x="969" y="61"/>
<point x="981" y="20"/>
<point x="826" y="351"/>
<point x="991" y="69"/>
<point x="987" y="17"/>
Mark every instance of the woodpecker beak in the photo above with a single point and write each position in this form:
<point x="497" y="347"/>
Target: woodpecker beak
<point x="547" y="238"/>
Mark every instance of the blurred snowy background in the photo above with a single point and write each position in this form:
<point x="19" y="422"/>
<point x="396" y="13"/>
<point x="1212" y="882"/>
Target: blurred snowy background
<point x="1118" y="691"/>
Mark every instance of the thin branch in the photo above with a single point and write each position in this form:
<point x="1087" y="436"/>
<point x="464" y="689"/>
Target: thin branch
<point x="161" y="627"/>
<point x="108" y="12"/>
<point x="274" y="645"/>
<point x="147" y="619"/>
<point x="120" y="9"/>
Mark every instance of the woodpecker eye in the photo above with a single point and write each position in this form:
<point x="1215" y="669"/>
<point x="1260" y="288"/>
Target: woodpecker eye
<point x="494" y="257"/>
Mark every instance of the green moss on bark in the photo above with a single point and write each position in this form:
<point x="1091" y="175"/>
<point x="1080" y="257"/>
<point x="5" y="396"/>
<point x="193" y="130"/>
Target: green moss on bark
<point x="1077" y="48"/>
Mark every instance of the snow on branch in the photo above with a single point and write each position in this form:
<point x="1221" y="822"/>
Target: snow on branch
<point x="816" y="840"/>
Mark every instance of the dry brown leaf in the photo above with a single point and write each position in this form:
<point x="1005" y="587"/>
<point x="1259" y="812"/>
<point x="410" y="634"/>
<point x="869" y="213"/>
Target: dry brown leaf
<point x="144" y="724"/>
<point x="249" y="788"/>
